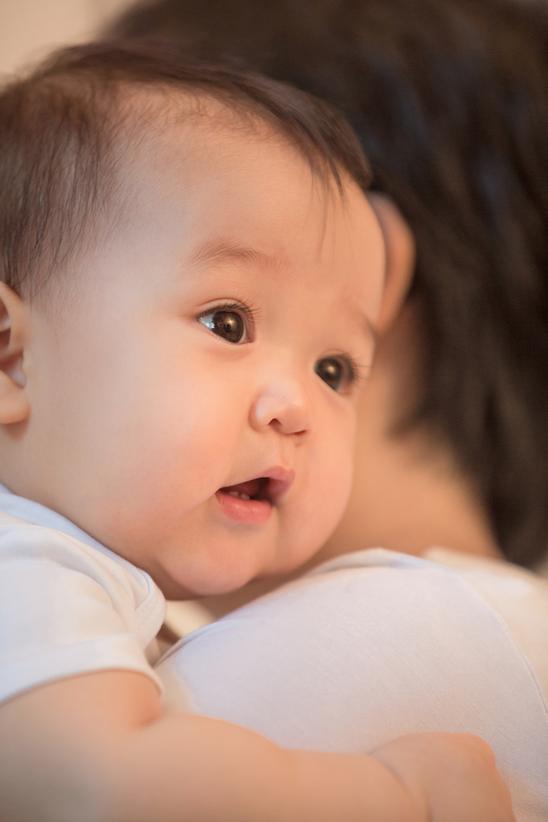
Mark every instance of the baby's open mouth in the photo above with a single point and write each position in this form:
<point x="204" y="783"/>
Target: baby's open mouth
<point x="252" y="501"/>
<point x="252" y="489"/>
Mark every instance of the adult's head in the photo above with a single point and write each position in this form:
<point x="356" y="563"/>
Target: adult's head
<point x="449" y="99"/>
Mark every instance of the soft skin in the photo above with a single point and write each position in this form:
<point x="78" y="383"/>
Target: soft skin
<point x="123" y="409"/>
<point x="408" y="492"/>
<point x="138" y="413"/>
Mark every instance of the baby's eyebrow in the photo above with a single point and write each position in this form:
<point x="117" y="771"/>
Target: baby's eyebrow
<point x="224" y="250"/>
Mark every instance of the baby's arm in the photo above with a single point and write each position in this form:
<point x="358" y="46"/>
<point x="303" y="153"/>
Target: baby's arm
<point x="97" y="748"/>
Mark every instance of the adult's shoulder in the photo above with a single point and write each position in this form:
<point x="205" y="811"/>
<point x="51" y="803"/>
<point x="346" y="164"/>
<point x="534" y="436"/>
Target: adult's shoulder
<point x="400" y="607"/>
<point x="377" y="644"/>
<point x="373" y="645"/>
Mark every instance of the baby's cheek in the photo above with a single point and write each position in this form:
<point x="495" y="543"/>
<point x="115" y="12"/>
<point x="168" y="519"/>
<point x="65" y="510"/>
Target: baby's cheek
<point x="336" y="480"/>
<point x="322" y="505"/>
<point x="334" y="494"/>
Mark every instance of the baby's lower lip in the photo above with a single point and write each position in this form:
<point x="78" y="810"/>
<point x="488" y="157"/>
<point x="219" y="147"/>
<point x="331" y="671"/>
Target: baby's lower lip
<point x="245" y="511"/>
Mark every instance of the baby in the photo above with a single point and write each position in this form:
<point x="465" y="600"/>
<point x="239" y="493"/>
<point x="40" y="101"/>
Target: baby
<point x="191" y="277"/>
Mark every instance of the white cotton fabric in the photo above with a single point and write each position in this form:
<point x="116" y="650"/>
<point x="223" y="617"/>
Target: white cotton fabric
<point x="68" y="605"/>
<point x="378" y="644"/>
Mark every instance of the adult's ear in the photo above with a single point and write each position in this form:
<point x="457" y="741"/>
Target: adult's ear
<point x="14" y="326"/>
<point x="400" y="258"/>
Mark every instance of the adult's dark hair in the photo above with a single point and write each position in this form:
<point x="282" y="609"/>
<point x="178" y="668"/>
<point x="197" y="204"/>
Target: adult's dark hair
<point x="450" y="100"/>
<point x="66" y="127"/>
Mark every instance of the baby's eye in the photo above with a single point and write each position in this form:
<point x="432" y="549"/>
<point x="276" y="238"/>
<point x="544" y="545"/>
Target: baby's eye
<point x="229" y="322"/>
<point x="338" y="372"/>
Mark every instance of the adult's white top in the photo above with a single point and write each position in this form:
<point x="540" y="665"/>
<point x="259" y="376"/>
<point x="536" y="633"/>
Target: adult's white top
<point x="378" y="644"/>
<point x="68" y="605"/>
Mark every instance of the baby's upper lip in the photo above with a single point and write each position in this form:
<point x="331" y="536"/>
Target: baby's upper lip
<point x="279" y="481"/>
<point x="272" y="483"/>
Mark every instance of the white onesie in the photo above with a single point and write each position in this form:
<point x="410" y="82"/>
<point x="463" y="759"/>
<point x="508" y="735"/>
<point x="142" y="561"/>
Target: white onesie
<point x="68" y="605"/>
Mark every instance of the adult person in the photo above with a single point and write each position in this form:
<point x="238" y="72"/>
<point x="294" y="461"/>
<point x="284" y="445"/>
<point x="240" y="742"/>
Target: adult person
<point x="449" y="99"/>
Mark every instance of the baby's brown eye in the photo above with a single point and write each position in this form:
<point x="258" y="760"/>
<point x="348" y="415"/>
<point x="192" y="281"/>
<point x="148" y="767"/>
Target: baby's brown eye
<point x="227" y="324"/>
<point x="337" y="372"/>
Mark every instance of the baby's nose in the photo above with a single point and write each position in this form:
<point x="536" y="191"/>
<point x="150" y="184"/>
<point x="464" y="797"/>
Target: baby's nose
<point x="283" y="407"/>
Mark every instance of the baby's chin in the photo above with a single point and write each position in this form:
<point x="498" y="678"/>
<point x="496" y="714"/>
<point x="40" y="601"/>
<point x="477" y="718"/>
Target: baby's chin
<point x="207" y="576"/>
<point x="216" y="572"/>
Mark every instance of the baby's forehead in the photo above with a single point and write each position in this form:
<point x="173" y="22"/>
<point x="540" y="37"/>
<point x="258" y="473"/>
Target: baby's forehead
<point x="173" y="133"/>
<point x="179" y="128"/>
<point x="205" y="196"/>
<point x="201" y="157"/>
<point x="177" y="142"/>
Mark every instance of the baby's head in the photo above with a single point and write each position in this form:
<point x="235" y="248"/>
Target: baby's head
<point x="190" y="280"/>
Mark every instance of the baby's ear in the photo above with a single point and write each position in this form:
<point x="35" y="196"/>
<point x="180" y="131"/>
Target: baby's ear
<point x="14" y="324"/>
<point x="400" y="258"/>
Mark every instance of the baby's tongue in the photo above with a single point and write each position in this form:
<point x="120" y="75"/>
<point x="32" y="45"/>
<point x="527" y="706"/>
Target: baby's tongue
<point x="251" y="488"/>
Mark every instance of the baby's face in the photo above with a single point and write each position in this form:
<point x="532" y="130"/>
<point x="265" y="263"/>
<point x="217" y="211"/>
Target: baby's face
<point x="206" y="359"/>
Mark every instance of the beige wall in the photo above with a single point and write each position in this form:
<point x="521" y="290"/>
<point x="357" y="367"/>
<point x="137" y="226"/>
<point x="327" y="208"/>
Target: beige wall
<point x="29" y="28"/>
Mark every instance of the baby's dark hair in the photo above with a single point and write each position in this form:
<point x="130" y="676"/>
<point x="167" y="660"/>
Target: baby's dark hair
<point x="450" y="100"/>
<point x="63" y="130"/>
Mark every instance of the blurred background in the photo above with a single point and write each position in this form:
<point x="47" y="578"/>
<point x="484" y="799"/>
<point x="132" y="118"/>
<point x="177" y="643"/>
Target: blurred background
<point x="30" y="28"/>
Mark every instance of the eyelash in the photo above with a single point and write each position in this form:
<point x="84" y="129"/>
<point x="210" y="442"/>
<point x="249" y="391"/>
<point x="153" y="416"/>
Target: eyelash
<point x="248" y="313"/>
<point x="356" y="372"/>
